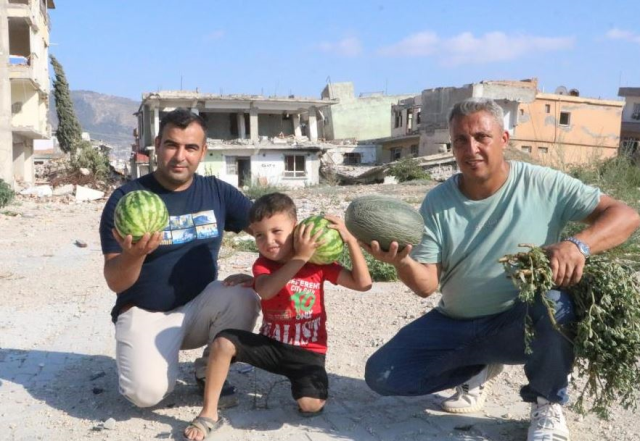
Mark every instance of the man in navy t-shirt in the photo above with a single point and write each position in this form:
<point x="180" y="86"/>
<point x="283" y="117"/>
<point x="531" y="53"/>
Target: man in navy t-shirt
<point x="168" y="296"/>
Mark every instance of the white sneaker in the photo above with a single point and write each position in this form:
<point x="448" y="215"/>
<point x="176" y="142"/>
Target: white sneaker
<point x="547" y="422"/>
<point x="470" y="396"/>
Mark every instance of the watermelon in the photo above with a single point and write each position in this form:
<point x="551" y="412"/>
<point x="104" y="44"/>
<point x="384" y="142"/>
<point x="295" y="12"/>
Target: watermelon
<point x="140" y="212"/>
<point x="332" y="246"/>
<point x="384" y="219"/>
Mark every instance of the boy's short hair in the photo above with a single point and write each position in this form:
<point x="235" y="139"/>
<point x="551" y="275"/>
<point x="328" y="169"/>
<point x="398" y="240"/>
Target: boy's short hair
<point x="270" y="204"/>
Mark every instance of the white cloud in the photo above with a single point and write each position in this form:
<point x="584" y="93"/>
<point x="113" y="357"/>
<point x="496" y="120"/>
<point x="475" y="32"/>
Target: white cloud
<point x="215" y="35"/>
<point x="347" y="47"/>
<point x="466" y="48"/>
<point x="620" y="34"/>
<point x="416" y="45"/>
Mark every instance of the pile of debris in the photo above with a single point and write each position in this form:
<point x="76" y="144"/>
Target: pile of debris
<point x="439" y="166"/>
<point x="56" y="178"/>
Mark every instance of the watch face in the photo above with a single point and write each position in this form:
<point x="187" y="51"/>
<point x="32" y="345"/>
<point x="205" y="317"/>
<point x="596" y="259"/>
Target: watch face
<point x="583" y="247"/>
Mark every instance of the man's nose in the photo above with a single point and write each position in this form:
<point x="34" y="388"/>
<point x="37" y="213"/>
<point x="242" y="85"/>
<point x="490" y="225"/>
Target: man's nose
<point x="472" y="147"/>
<point x="180" y="154"/>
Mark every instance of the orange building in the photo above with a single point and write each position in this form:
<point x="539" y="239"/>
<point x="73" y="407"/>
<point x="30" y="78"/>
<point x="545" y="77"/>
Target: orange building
<point x="559" y="129"/>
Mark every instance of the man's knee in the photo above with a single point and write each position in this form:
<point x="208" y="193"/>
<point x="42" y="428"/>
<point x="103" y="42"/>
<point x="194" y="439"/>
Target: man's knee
<point x="563" y="306"/>
<point x="237" y="303"/>
<point x="377" y="373"/>
<point x="144" y="394"/>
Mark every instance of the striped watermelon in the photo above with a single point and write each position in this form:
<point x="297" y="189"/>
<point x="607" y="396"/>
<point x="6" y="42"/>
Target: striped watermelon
<point x="140" y="212"/>
<point x="333" y="245"/>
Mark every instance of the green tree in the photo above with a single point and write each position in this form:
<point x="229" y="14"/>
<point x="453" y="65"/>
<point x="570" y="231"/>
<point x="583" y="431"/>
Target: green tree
<point x="69" y="132"/>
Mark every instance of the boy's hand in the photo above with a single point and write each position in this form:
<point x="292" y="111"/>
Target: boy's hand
<point x="239" y="279"/>
<point x="338" y="224"/>
<point x="146" y="245"/>
<point x="304" y="243"/>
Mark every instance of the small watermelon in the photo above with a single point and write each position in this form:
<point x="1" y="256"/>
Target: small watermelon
<point x="140" y="212"/>
<point x="332" y="246"/>
<point x="384" y="219"/>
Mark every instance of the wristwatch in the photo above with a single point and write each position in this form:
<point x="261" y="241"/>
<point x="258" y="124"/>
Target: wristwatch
<point x="583" y="247"/>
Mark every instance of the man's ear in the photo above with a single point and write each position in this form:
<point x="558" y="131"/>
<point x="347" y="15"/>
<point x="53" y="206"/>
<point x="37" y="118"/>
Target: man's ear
<point x="156" y="142"/>
<point x="505" y="139"/>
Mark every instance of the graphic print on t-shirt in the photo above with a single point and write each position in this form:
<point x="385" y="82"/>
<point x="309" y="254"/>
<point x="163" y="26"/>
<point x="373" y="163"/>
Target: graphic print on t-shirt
<point x="300" y="323"/>
<point x="188" y="227"/>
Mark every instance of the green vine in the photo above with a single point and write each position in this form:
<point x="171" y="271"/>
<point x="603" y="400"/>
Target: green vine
<point x="607" y="330"/>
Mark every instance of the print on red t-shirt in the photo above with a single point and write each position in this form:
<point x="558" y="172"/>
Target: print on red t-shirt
<point x="296" y="315"/>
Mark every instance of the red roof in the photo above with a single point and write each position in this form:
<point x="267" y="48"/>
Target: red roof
<point x="141" y="157"/>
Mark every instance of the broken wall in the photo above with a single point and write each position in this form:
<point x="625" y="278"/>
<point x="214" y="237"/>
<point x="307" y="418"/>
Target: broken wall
<point x="272" y="124"/>
<point x="436" y="104"/>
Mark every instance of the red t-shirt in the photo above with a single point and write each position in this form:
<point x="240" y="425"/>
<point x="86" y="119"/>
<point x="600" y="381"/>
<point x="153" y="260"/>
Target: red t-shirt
<point x="296" y="315"/>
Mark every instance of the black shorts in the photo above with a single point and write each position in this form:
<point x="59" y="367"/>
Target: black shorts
<point x="305" y="369"/>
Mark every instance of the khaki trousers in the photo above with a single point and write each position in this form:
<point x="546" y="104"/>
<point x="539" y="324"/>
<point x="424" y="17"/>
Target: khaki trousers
<point x="148" y="343"/>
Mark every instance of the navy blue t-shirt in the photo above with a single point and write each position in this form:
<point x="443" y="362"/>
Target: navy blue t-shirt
<point x="186" y="260"/>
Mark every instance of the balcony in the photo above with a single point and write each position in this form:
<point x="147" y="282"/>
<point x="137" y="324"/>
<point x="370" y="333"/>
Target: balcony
<point x="23" y="69"/>
<point x="30" y="131"/>
<point x="24" y="10"/>
<point x="630" y="129"/>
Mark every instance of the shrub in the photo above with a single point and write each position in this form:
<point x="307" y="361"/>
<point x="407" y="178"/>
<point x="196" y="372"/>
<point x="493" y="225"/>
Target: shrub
<point x="6" y="194"/>
<point x="88" y="157"/>
<point x="618" y="177"/>
<point x="380" y="271"/>
<point x="408" y="169"/>
<point x="248" y="245"/>
<point x="255" y="190"/>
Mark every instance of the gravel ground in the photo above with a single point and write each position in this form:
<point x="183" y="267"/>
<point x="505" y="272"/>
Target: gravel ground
<point x="57" y="369"/>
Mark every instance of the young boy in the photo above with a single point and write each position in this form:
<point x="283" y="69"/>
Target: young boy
<point x="293" y="337"/>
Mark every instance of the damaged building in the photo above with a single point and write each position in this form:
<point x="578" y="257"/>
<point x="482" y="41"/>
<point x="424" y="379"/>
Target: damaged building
<point x="557" y="129"/>
<point x="251" y="139"/>
<point x="630" y="129"/>
<point x="24" y="85"/>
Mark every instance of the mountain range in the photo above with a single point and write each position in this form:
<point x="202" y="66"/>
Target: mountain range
<point x="105" y="117"/>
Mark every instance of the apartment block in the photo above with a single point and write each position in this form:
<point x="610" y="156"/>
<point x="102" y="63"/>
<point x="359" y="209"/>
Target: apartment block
<point x="24" y="85"/>
<point x="630" y="129"/>
<point x="557" y="129"/>
<point x="251" y="139"/>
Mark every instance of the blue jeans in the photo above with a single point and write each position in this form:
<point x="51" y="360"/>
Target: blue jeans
<point x="436" y="352"/>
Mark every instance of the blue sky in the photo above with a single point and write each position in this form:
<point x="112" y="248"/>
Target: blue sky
<point x="278" y="47"/>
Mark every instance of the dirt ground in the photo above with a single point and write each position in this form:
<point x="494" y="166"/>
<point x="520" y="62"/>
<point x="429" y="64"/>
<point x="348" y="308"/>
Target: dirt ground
<point x="57" y="368"/>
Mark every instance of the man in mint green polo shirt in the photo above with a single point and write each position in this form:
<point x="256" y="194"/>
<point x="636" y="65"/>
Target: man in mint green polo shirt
<point x="472" y="220"/>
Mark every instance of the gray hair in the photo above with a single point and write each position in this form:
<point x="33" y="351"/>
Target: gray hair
<point x="473" y="105"/>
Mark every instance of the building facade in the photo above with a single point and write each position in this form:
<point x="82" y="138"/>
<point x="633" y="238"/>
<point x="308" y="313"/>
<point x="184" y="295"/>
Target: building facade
<point x="556" y="129"/>
<point x="404" y="141"/>
<point x="354" y="118"/>
<point x="24" y="85"/>
<point x="251" y="139"/>
<point x="630" y="129"/>
<point x="561" y="130"/>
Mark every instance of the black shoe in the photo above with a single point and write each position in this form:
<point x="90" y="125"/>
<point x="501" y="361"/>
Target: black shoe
<point x="228" y="397"/>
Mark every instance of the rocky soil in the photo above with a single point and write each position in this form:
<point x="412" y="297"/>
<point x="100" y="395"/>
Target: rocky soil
<point x="57" y="369"/>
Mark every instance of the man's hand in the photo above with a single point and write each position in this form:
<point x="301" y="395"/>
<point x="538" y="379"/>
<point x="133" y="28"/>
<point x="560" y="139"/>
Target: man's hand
<point x="392" y="256"/>
<point x="239" y="279"/>
<point x="146" y="245"/>
<point x="567" y="263"/>
<point x="304" y="243"/>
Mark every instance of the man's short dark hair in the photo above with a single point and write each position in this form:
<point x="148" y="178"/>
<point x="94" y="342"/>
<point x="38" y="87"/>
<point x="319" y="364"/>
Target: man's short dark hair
<point x="270" y="204"/>
<point x="181" y="118"/>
